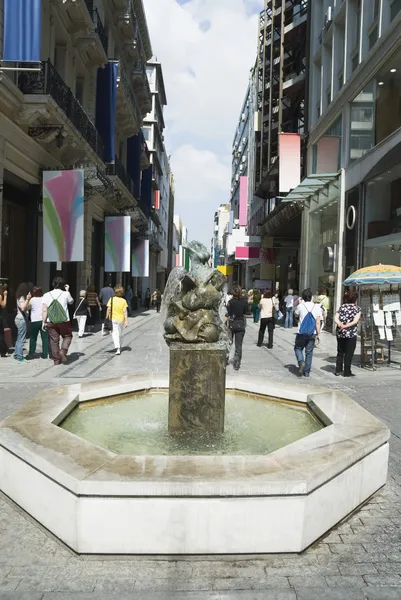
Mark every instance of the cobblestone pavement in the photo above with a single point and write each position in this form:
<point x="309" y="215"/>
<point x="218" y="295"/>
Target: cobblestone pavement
<point x="359" y="560"/>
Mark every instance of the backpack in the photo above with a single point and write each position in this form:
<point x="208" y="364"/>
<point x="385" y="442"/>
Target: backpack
<point x="56" y="312"/>
<point x="308" y="325"/>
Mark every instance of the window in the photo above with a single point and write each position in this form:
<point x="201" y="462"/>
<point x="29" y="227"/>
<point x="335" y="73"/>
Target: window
<point x="340" y="80"/>
<point x="147" y="133"/>
<point x="373" y="37"/>
<point x="395" y="9"/>
<point x="355" y="61"/>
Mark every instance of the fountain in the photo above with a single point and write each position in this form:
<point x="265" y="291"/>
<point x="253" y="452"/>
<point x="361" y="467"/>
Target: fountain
<point x="197" y="464"/>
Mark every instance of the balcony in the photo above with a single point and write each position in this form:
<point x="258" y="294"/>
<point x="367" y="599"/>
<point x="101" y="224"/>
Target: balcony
<point x="85" y="24"/>
<point x="49" y="97"/>
<point x="118" y="170"/>
<point x="141" y="87"/>
<point x="129" y="28"/>
<point x="129" y="118"/>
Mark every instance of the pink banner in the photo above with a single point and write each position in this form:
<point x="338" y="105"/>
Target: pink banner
<point x="243" y="201"/>
<point x="246" y="252"/>
<point x="328" y="149"/>
<point x="290" y="161"/>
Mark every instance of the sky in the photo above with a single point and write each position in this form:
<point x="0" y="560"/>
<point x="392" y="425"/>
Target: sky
<point x="207" y="49"/>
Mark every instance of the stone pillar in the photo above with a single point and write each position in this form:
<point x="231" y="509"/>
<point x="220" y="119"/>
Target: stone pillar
<point x="197" y="387"/>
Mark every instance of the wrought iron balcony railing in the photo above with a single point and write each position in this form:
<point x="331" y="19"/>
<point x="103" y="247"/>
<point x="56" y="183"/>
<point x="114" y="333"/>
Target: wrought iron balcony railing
<point x="117" y="169"/>
<point x="128" y="91"/>
<point x="48" y="82"/>
<point x="97" y="21"/>
<point x="139" y="69"/>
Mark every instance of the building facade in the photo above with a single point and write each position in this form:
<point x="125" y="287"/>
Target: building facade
<point x="54" y="119"/>
<point x="352" y="212"/>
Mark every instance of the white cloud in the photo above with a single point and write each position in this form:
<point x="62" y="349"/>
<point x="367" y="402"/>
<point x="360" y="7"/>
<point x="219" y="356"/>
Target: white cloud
<point x="207" y="48"/>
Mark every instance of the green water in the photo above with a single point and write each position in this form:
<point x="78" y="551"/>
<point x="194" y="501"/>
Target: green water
<point x="137" y="425"/>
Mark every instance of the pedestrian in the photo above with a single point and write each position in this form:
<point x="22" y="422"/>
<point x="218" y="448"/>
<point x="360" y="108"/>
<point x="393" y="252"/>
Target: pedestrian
<point x="308" y="332"/>
<point x="158" y="300"/>
<point x="23" y="296"/>
<point x="256" y="298"/>
<point x="94" y="305"/>
<point x="117" y="312"/>
<point x="236" y="312"/>
<point x="268" y="309"/>
<point x="4" y="349"/>
<point x="56" y="319"/>
<point x="324" y="302"/>
<point x="105" y="294"/>
<point x="289" y="310"/>
<point x="129" y="297"/>
<point x="35" y="306"/>
<point x="347" y="319"/>
<point x="82" y="312"/>
<point x="147" y="298"/>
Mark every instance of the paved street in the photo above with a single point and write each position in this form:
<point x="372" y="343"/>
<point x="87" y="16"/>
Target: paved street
<point x="360" y="559"/>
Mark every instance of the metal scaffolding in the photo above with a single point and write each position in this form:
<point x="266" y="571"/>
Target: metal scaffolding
<point x="282" y="83"/>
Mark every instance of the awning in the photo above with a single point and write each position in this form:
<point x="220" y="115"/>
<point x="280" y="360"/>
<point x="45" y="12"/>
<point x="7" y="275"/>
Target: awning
<point x="311" y="185"/>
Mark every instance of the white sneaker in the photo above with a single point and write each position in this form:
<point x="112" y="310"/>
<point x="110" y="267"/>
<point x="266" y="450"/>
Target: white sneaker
<point x="118" y="351"/>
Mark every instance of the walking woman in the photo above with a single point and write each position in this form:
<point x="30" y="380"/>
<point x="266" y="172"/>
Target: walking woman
<point x="237" y="308"/>
<point x="83" y="311"/>
<point x="94" y="305"/>
<point x="35" y="306"/>
<point x="3" y="321"/>
<point x="117" y="312"/>
<point x="268" y="306"/>
<point x="256" y="298"/>
<point x="23" y="296"/>
<point x="347" y="319"/>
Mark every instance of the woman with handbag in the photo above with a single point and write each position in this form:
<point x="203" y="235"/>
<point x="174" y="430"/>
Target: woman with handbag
<point x="268" y="311"/>
<point x="21" y="321"/>
<point x="117" y="313"/>
<point x="237" y="309"/>
<point x="82" y="312"/>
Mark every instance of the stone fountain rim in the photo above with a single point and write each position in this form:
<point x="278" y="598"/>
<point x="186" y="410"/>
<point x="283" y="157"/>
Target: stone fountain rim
<point x="86" y="470"/>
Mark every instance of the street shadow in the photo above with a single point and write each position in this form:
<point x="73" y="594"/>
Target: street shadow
<point x="74" y="356"/>
<point x="123" y="349"/>
<point x="328" y="369"/>
<point x="293" y="369"/>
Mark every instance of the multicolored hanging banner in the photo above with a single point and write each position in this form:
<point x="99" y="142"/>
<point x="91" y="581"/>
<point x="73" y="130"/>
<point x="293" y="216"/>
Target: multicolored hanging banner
<point x="140" y="258"/>
<point x="117" y="244"/>
<point x="22" y="30"/>
<point x="63" y="216"/>
<point x="289" y="151"/>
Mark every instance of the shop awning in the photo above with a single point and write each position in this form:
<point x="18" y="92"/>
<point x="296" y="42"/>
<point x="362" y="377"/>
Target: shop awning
<point x="311" y="185"/>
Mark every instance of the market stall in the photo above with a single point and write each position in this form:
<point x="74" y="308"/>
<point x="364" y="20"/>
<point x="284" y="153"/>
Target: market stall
<point x="380" y="301"/>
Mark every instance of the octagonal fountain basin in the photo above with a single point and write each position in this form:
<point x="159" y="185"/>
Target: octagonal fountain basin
<point x="95" y="465"/>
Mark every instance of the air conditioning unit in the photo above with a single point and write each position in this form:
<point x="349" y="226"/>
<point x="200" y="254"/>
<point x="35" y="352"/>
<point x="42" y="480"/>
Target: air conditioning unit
<point x="328" y="18"/>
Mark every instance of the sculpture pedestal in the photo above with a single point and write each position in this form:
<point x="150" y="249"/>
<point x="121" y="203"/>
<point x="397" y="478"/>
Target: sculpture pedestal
<point x="197" y="387"/>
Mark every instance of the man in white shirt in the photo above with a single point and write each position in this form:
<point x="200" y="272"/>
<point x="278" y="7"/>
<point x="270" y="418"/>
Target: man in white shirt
<point x="61" y="328"/>
<point x="289" y="310"/>
<point x="310" y="315"/>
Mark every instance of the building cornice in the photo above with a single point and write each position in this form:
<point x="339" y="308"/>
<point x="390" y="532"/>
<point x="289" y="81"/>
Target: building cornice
<point x="379" y="54"/>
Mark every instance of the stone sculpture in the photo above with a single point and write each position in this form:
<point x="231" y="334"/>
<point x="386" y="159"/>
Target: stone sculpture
<point x="193" y="301"/>
<point x="197" y="338"/>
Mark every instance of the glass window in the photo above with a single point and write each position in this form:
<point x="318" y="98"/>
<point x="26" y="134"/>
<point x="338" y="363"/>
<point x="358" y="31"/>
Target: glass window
<point x="373" y="37"/>
<point x="355" y="61"/>
<point x="395" y="9"/>
<point x="362" y="137"/>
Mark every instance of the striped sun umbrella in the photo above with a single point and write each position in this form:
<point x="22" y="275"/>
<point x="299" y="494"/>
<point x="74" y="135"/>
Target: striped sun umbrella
<point x="376" y="275"/>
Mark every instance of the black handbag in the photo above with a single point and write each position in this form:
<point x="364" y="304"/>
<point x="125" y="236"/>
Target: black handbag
<point x="237" y="326"/>
<point x="108" y="323"/>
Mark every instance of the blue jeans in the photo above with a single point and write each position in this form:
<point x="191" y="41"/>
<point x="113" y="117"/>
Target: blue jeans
<point x="256" y="313"/>
<point x="307" y="343"/>
<point x="19" y="344"/>
<point x="289" y="320"/>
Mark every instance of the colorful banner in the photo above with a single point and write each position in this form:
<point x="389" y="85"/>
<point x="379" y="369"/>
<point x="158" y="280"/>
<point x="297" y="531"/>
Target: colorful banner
<point x="243" y="201"/>
<point x="290" y="161"/>
<point x="117" y="244"/>
<point x="63" y="216"/>
<point x="140" y="258"/>
<point x="22" y="30"/>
